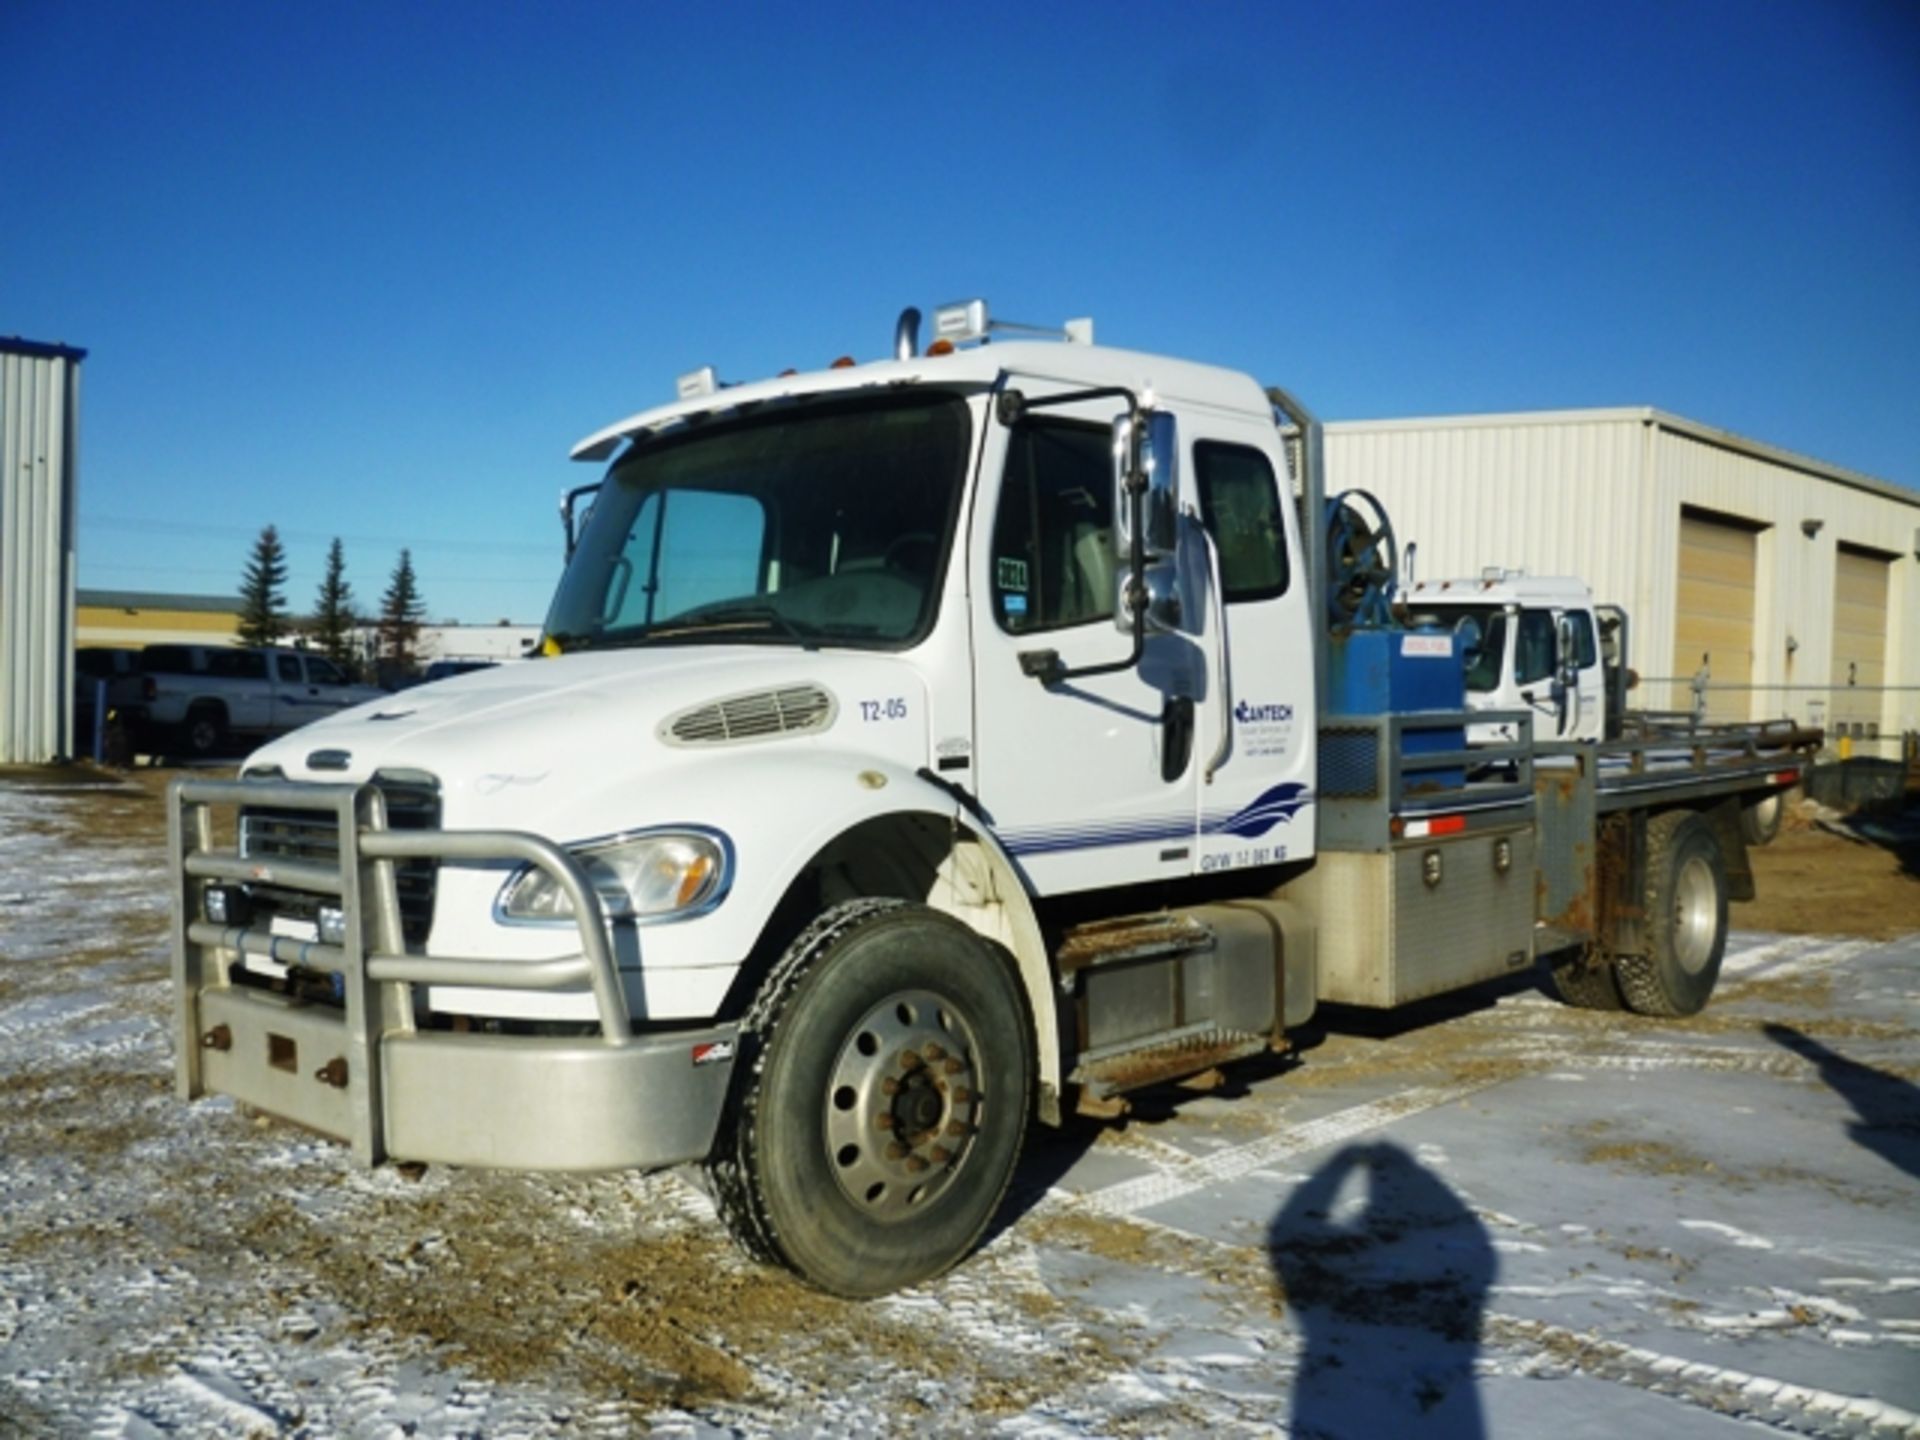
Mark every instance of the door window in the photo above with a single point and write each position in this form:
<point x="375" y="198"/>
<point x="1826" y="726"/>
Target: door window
<point x="1585" y="652"/>
<point x="289" y="668"/>
<point x="1240" y="506"/>
<point x="322" y="672"/>
<point x="1053" y="562"/>
<point x="1533" y="647"/>
<point x="237" y="664"/>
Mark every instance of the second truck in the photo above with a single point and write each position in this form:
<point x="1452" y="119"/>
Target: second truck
<point x="919" y="747"/>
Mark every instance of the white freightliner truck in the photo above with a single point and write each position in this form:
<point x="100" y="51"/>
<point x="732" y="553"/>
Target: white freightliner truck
<point x="919" y="746"/>
<point x="1540" y="645"/>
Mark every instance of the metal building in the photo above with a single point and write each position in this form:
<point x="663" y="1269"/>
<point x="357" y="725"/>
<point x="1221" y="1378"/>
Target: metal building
<point x="1794" y="585"/>
<point x="39" y="461"/>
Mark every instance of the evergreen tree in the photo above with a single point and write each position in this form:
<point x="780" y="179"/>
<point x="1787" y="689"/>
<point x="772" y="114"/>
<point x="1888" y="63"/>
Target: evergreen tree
<point x="333" y="617"/>
<point x="400" y="611"/>
<point x="263" y="603"/>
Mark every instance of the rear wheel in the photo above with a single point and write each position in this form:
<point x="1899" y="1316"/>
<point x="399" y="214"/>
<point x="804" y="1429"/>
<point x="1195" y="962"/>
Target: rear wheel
<point x="1686" y="907"/>
<point x="205" y="731"/>
<point x="880" y="1111"/>
<point x="1586" y="984"/>
<point x="1760" y="821"/>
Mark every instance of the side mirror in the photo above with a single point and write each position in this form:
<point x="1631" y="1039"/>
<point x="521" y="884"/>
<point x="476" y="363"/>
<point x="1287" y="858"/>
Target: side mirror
<point x="572" y="519"/>
<point x="1567" y="641"/>
<point x="1146" y="463"/>
<point x="1146" y="510"/>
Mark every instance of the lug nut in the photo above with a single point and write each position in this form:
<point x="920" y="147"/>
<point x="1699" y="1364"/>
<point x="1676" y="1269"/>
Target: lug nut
<point x="910" y="1061"/>
<point x="896" y="1151"/>
<point x="915" y="1164"/>
<point x="883" y="1122"/>
<point x="954" y="1066"/>
<point x="889" y="1086"/>
<point x="934" y="1052"/>
<point x="940" y="1155"/>
<point x="955" y="1129"/>
<point x="962" y="1095"/>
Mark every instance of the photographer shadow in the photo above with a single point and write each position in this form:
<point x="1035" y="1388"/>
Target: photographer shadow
<point x="1386" y="1273"/>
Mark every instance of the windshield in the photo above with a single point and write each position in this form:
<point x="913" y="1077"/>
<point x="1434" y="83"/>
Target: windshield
<point x="1482" y="632"/>
<point x="823" y="523"/>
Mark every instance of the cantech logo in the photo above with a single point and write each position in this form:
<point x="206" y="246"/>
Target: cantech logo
<point x="1250" y="714"/>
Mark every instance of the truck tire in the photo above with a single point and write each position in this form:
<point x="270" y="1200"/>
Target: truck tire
<point x="205" y="732"/>
<point x="1686" y="906"/>
<point x="1760" y="821"/>
<point x="1586" y="985"/>
<point x="886" y="1074"/>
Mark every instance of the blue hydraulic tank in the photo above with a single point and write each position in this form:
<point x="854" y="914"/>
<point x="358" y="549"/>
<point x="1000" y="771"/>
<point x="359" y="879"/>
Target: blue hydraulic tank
<point x="1405" y="672"/>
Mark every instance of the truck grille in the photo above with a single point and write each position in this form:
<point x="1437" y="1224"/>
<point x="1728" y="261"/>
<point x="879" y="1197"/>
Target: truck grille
<point x="413" y="803"/>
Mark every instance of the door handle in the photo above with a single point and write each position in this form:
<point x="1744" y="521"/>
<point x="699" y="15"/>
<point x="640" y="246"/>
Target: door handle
<point x="1176" y="737"/>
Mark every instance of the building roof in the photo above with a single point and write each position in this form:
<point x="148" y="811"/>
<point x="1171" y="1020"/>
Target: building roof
<point x="148" y="600"/>
<point x="1648" y="415"/>
<point x="39" y="349"/>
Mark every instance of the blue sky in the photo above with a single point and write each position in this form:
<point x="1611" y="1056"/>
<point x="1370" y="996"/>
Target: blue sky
<point x="368" y="270"/>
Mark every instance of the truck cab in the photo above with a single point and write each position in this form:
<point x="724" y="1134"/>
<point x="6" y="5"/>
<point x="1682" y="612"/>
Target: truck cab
<point x="1531" y="644"/>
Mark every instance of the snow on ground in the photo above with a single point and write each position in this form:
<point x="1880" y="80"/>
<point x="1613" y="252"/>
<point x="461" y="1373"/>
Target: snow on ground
<point x="1487" y="1216"/>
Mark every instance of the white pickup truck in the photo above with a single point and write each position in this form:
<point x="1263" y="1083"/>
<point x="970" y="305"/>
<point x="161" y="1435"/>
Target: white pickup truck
<point x="199" y="699"/>
<point x="917" y="748"/>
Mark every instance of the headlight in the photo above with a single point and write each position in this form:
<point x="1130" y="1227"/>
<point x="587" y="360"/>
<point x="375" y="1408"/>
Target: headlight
<point x="637" y="876"/>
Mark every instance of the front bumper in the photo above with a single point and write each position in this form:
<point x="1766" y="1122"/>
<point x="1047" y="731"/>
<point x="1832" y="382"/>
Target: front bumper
<point x="362" y="1070"/>
<point x="501" y="1101"/>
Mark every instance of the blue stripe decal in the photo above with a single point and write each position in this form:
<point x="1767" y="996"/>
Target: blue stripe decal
<point x="1274" y="807"/>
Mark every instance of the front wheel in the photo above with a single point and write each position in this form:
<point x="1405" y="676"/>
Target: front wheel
<point x="888" y="1073"/>
<point x="1686" y="908"/>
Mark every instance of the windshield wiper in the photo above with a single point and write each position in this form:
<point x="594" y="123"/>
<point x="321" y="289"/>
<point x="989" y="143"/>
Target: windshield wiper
<point x="727" y="617"/>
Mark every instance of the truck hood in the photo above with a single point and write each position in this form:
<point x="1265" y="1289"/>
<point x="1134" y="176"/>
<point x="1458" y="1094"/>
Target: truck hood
<point x="596" y="718"/>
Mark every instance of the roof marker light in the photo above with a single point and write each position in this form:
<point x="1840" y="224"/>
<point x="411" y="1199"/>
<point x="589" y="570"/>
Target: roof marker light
<point x="845" y="362"/>
<point x="695" y="383"/>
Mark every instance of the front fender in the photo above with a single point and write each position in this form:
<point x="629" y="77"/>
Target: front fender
<point x="787" y="814"/>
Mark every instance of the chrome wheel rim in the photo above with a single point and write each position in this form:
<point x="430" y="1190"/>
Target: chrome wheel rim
<point x="1696" y="915"/>
<point x="903" y="1104"/>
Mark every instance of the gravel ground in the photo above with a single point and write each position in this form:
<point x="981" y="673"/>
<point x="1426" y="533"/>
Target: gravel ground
<point x="1488" y="1216"/>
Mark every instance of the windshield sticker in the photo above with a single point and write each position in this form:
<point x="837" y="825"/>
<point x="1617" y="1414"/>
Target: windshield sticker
<point x="1014" y="604"/>
<point x="1262" y="729"/>
<point x="1011" y="574"/>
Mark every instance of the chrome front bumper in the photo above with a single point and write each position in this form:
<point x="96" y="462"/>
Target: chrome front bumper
<point x="362" y="1070"/>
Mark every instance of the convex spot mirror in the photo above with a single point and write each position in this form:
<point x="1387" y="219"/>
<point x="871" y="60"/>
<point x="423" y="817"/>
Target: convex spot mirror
<point x="1146" y="495"/>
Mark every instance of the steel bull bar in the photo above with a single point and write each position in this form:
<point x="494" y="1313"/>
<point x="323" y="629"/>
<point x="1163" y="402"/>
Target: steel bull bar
<point x="364" y="1071"/>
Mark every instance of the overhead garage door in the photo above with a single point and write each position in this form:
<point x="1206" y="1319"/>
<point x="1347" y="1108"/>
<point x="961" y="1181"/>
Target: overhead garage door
<point x="1859" y="640"/>
<point x="1714" y="614"/>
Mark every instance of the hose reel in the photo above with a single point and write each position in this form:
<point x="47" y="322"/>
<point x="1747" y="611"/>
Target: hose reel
<point x="1363" y="562"/>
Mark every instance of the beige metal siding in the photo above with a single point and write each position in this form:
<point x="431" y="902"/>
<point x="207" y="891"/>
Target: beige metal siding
<point x="1555" y="497"/>
<point x="1713" y="611"/>
<point x="1600" y="494"/>
<point x="1859" y="640"/>
<point x="39" y="397"/>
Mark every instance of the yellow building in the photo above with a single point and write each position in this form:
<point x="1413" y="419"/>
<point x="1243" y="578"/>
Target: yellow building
<point x="134" y="618"/>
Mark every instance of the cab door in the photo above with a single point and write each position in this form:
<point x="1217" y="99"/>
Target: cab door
<point x="1590" y="680"/>
<point x="1090" y="781"/>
